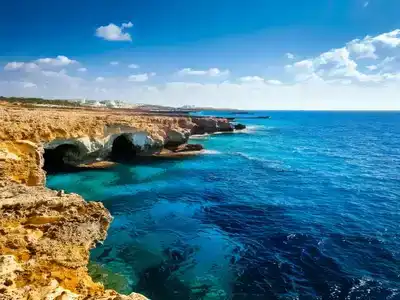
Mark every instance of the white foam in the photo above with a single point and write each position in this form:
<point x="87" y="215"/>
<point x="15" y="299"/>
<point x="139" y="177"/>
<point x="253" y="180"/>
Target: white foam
<point x="199" y="137"/>
<point x="211" y="152"/>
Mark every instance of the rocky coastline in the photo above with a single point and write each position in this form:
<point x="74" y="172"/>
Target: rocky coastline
<point x="46" y="235"/>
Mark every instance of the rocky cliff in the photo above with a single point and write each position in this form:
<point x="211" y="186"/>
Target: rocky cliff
<point x="45" y="236"/>
<point x="26" y="133"/>
<point x="44" y="244"/>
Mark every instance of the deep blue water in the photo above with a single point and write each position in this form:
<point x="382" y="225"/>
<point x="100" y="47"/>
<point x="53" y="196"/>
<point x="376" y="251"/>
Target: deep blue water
<point x="305" y="205"/>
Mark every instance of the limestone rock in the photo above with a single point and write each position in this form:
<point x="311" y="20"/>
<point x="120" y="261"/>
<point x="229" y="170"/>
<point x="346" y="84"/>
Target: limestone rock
<point x="45" y="242"/>
<point x="189" y="147"/>
<point x="240" y="126"/>
<point x="211" y="125"/>
<point x="177" y="137"/>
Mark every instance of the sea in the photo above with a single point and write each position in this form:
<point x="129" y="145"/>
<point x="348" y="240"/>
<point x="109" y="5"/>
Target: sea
<point x="304" y="205"/>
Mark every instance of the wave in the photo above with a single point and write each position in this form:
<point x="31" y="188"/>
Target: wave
<point x="256" y="128"/>
<point x="248" y="130"/>
<point x="199" y="137"/>
<point x="211" y="152"/>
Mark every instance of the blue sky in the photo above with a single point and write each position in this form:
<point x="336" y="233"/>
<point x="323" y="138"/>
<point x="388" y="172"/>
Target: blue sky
<point x="316" y="54"/>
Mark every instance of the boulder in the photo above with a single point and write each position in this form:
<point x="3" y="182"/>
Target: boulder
<point x="189" y="147"/>
<point x="177" y="137"/>
<point x="211" y="125"/>
<point x="224" y="126"/>
<point x="240" y="126"/>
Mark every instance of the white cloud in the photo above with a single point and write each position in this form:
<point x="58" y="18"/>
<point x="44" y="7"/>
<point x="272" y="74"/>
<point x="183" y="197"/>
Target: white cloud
<point x="212" y="72"/>
<point x="133" y="66"/>
<point x="54" y="74"/>
<point x="13" y="66"/>
<point x="289" y="55"/>
<point x="391" y="39"/>
<point x="114" y="63"/>
<point x="139" y="77"/>
<point x="361" y="74"/>
<point x="82" y="70"/>
<point x="253" y="79"/>
<point x="274" y="82"/>
<point x="347" y="62"/>
<point x="362" y="49"/>
<point x="59" y="61"/>
<point x="29" y="85"/>
<point x="112" y="32"/>
<point x="366" y="4"/>
<point x="127" y="25"/>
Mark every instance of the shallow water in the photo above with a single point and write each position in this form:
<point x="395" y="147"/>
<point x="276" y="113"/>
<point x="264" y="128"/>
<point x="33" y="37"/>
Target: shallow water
<point x="301" y="206"/>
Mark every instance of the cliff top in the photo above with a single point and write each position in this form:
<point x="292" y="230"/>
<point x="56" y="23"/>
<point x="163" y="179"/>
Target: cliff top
<point x="42" y="124"/>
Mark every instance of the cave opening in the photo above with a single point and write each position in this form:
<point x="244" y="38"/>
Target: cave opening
<point x="123" y="150"/>
<point x="61" y="159"/>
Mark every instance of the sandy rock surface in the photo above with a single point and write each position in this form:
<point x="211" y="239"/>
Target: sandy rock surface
<point x="44" y="244"/>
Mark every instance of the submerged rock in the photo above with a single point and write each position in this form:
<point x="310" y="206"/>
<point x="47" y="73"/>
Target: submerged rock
<point x="240" y="126"/>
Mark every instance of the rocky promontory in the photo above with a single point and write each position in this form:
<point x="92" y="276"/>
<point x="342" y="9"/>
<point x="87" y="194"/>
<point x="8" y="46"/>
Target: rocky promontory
<point x="46" y="235"/>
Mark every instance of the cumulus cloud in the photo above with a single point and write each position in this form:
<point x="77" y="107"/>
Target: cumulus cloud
<point x="15" y="65"/>
<point x="361" y="74"/>
<point x="212" y="72"/>
<point x="112" y="32"/>
<point x="114" y="63"/>
<point x="289" y="55"/>
<point x="133" y="66"/>
<point x="274" y="82"/>
<point x="250" y="79"/>
<point x="139" y="77"/>
<point x="347" y="63"/>
<point x="82" y="70"/>
<point x="29" y="85"/>
<point x="59" y="61"/>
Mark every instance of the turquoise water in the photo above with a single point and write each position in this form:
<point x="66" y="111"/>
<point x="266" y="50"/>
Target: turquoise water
<point x="305" y="205"/>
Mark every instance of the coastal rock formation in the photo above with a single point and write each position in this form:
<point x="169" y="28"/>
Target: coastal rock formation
<point x="77" y="136"/>
<point x="44" y="244"/>
<point x="189" y="147"/>
<point x="211" y="125"/>
<point x="22" y="161"/>
<point x="177" y="137"/>
<point x="45" y="236"/>
<point x="239" y="126"/>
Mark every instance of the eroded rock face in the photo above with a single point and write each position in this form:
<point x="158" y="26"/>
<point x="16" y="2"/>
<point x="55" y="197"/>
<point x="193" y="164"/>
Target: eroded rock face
<point x="44" y="244"/>
<point x="240" y="126"/>
<point x="22" y="161"/>
<point x="177" y="137"/>
<point x="211" y="125"/>
<point x="24" y="133"/>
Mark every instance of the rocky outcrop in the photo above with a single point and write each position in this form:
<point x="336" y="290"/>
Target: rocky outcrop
<point x="239" y="126"/>
<point x="188" y="147"/>
<point x="44" y="244"/>
<point x="177" y="137"/>
<point x="22" y="161"/>
<point x="76" y="136"/>
<point x="211" y="125"/>
<point x="45" y="236"/>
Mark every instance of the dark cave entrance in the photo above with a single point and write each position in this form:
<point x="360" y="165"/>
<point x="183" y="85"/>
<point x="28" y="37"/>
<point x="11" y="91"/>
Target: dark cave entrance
<point x="123" y="149"/>
<point x="61" y="159"/>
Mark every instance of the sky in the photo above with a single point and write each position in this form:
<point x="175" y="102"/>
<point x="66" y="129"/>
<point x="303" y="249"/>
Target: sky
<point x="254" y="54"/>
